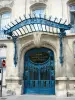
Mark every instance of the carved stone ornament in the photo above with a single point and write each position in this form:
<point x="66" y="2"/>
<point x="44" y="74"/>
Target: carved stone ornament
<point x="38" y="1"/>
<point x="6" y="3"/>
<point x="37" y="37"/>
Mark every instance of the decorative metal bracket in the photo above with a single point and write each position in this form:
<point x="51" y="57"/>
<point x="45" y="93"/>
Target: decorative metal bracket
<point x="15" y="51"/>
<point x="61" y="35"/>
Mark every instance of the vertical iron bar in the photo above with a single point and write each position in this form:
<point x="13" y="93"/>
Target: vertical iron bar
<point x="32" y="24"/>
<point x="49" y="20"/>
<point x="17" y="33"/>
<point x="55" y="19"/>
<point x="39" y="75"/>
<point x="9" y="26"/>
<point x="24" y="16"/>
<point x="25" y="25"/>
<point x="61" y="35"/>
<point x="15" y="52"/>
<point x="52" y="29"/>
<point x="1" y="80"/>
<point x="65" y="21"/>
<point x="38" y="27"/>
<point x="45" y="28"/>
<point x="41" y="27"/>
<point x="45" y="24"/>
<point x="23" y="30"/>
<point x="27" y="29"/>
<point x="34" y="27"/>
<point x="41" y="23"/>
<point x="61" y="47"/>
<point x="31" y="28"/>
<point x="18" y="29"/>
<point x="60" y="20"/>
<point x="15" y="30"/>
<point x="22" y="27"/>
<point x="28" y="73"/>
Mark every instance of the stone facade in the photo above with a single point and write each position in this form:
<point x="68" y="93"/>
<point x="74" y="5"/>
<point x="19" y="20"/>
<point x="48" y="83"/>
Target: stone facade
<point x="65" y="74"/>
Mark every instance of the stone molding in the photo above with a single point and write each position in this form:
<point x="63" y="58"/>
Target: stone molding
<point x="65" y="78"/>
<point x="13" y="78"/>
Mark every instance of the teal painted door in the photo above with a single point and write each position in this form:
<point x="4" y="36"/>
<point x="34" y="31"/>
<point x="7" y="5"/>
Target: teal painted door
<point x="39" y="71"/>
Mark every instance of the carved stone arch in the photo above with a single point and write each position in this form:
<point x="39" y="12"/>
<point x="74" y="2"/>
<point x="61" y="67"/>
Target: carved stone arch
<point x="46" y="43"/>
<point x="70" y="2"/>
<point x="23" y="50"/>
<point x="5" y="9"/>
<point x="29" y="46"/>
<point x="37" y="5"/>
<point x="49" y="45"/>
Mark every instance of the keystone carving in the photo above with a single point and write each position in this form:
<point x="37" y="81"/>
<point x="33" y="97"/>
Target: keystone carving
<point x="37" y="37"/>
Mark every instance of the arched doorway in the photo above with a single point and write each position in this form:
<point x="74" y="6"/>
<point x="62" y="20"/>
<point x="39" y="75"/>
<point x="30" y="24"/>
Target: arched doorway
<point x="39" y="71"/>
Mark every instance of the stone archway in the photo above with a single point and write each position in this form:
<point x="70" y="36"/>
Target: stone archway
<point x="39" y="71"/>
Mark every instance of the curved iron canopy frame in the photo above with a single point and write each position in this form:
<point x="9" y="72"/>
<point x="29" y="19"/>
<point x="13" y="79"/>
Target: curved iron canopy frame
<point x="31" y="21"/>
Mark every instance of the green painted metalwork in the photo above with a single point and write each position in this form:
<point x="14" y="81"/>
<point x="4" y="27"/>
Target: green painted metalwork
<point x="39" y="71"/>
<point x="36" y="20"/>
<point x="39" y="22"/>
<point x="15" y="52"/>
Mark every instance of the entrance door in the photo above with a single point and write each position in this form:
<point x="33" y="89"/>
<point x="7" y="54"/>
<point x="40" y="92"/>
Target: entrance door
<point x="39" y="73"/>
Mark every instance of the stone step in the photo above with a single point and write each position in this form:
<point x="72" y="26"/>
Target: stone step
<point x="36" y="97"/>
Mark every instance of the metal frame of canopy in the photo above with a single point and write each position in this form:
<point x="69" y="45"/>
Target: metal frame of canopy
<point x="28" y="25"/>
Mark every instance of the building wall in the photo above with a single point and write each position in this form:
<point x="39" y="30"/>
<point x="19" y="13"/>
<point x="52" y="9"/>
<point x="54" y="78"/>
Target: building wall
<point x="55" y="8"/>
<point x="14" y="75"/>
